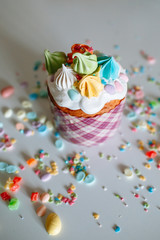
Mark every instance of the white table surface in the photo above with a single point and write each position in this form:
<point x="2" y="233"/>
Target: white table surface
<point x="26" y="29"/>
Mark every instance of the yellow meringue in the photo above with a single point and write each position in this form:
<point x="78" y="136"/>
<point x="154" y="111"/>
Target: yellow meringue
<point x="90" y="86"/>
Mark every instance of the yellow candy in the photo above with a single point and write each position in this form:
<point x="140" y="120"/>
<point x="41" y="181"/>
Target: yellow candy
<point x="13" y="140"/>
<point x="151" y="129"/>
<point x="90" y="86"/>
<point x="53" y="224"/>
<point x="95" y="215"/>
<point x="25" y="119"/>
<point x="140" y="142"/>
<point x="141" y="148"/>
<point x="77" y="156"/>
<point x="141" y="177"/>
<point x="72" y="187"/>
<point x="60" y="196"/>
<point x="9" y="183"/>
<point x="147" y="165"/>
<point x="54" y="172"/>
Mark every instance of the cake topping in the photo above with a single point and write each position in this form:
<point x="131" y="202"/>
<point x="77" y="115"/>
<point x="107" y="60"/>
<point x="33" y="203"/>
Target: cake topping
<point x="73" y="95"/>
<point x="85" y="79"/>
<point x="118" y="86"/>
<point x="64" y="77"/>
<point x="54" y="61"/>
<point x="109" y="67"/>
<point x="110" y="89"/>
<point x="81" y="48"/>
<point x="90" y="86"/>
<point x="84" y="63"/>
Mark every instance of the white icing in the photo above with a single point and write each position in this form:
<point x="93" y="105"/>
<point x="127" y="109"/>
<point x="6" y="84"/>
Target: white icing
<point x="64" y="77"/>
<point x="87" y="105"/>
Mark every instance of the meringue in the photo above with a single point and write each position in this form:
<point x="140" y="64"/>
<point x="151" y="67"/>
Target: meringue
<point x="54" y="61"/>
<point x="85" y="63"/>
<point x="64" y="78"/>
<point x="90" y="86"/>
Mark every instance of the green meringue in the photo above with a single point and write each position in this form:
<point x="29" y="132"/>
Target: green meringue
<point x="54" y="60"/>
<point x="85" y="63"/>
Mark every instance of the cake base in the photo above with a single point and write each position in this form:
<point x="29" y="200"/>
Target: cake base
<point x="87" y="131"/>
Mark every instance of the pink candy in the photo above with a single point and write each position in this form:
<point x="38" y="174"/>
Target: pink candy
<point x="44" y="197"/>
<point x="123" y="77"/>
<point x="41" y="211"/>
<point x="118" y="86"/>
<point x="7" y="91"/>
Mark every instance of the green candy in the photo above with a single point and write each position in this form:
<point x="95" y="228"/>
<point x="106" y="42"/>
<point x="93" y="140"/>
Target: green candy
<point x="84" y="63"/>
<point x="54" y="61"/>
<point x="13" y="204"/>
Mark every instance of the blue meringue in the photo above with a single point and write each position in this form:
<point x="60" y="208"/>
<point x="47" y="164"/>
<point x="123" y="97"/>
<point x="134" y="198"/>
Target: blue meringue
<point x="109" y="67"/>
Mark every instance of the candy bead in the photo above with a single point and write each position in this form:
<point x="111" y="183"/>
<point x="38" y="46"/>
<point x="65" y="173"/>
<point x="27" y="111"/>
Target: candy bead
<point x="42" y="129"/>
<point x="151" y="154"/>
<point x="49" y="125"/>
<point x="8" y="113"/>
<point x="53" y="224"/>
<point x="89" y="179"/>
<point x="44" y="197"/>
<point x="34" y="196"/>
<point x="31" y="115"/>
<point x="11" y="169"/>
<point x="33" y="96"/>
<point x="46" y="177"/>
<point x="31" y="162"/>
<point x="59" y="144"/>
<point x="13" y="204"/>
<point x="128" y="172"/>
<point x="80" y="176"/>
<point x="41" y="211"/>
<point x="117" y="229"/>
<point x="21" y="114"/>
<point x="26" y="104"/>
<point x="73" y="95"/>
<point x="19" y="126"/>
<point x="3" y="166"/>
<point x="96" y="216"/>
<point x="118" y="86"/>
<point x="8" y="91"/>
<point x="42" y="119"/>
<point x="110" y="89"/>
<point x="5" y="196"/>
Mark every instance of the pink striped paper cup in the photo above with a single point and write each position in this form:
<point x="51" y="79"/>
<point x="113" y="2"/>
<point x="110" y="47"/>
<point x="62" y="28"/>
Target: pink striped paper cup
<point x="87" y="131"/>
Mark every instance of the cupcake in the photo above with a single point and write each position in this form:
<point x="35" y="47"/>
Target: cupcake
<point x="87" y="92"/>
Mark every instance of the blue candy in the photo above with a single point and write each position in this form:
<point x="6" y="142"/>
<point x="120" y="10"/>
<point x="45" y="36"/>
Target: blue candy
<point x="73" y="94"/>
<point x="117" y="229"/>
<point x="3" y="166"/>
<point x="89" y="179"/>
<point x="59" y="144"/>
<point x="131" y="116"/>
<point x="31" y="115"/>
<point x="80" y="176"/>
<point x="33" y="96"/>
<point x="11" y="169"/>
<point x="42" y="129"/>
<point x="57" y="134"/>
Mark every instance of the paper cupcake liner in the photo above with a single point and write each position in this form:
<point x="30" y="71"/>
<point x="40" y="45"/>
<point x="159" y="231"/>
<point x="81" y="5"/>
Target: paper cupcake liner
<point x="87" y="131"/>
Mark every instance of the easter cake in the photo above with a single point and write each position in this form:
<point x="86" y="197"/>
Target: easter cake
<point x="87" y="92"/>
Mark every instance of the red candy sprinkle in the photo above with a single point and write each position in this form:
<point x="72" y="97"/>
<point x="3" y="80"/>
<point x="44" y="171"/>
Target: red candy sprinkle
<point x="136" y="195"/>
<point x="17" y="179"/>
<point x="15" y="187"/>
<point x="5" y="196"/>
<point x="34" y="196"/>
<point x="151" y="154"/>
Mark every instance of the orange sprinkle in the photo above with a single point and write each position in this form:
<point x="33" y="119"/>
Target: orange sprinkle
<point x="31" y="162"/>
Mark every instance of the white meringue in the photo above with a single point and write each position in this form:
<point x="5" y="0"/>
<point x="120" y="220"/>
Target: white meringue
<point x="64" y="77"/>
